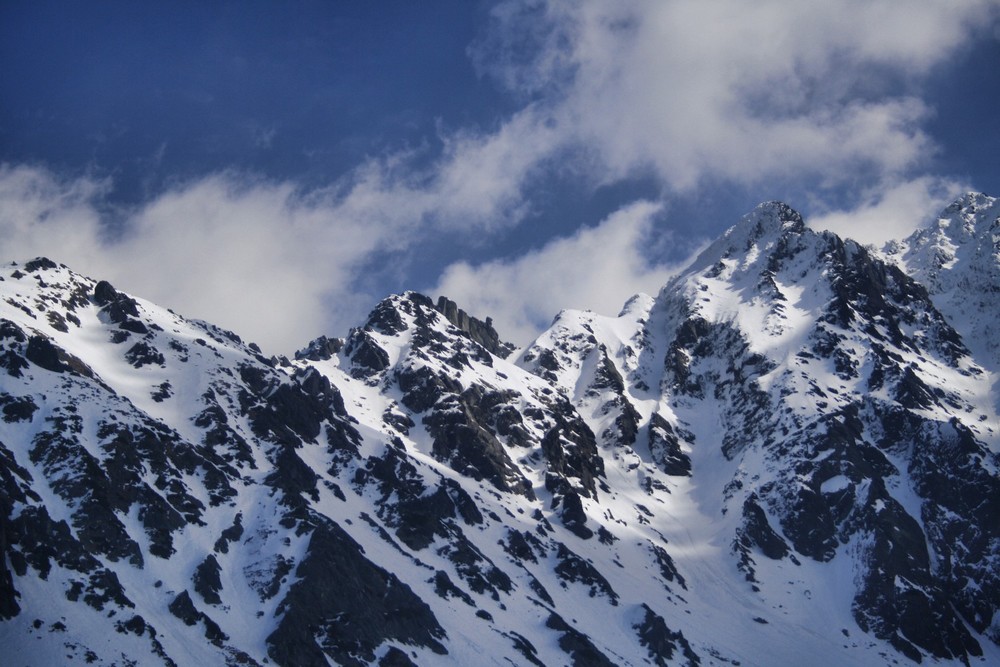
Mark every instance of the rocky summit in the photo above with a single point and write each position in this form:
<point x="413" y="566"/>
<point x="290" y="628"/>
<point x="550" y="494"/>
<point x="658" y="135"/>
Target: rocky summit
<point x="788" y="456"/>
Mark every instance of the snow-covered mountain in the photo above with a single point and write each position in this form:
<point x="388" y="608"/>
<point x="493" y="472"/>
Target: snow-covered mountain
<point x="958" y="260"/>
<point x="789" y="456"/>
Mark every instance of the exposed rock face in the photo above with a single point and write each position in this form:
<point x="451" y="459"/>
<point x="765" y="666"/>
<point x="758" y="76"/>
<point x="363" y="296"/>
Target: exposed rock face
<point x="665" y="646"/>
<point x="796" y="439"/>
<point x="479" y="331"/>
<point x="344" y="607"/>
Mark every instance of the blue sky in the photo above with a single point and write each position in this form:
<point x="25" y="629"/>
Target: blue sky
<point x="278" y="167"/>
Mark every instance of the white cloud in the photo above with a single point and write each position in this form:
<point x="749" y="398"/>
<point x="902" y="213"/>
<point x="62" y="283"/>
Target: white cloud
<point x="742" y="91"/>
<point x="596" y="268"/>
<point x="887" y="213"/>
<point x="481" y="177"/>
<point x="274" y="264"/>
<point x="36" y="209"/>
<point x="251" y="256"/>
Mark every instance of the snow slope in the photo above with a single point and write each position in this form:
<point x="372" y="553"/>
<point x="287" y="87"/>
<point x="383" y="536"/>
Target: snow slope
<point x="789" y="455"/>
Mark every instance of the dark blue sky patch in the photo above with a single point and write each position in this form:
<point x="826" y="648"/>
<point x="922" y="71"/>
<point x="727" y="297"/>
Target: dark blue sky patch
<point x="155" y="91"/>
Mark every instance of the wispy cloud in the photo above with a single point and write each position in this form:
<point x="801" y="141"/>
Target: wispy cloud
<point x="886" y="213"/>
<point x="594" y="269"/>
<point x="253" y="256"/>
<point x="732" y="90"/>
<point x="274" y="263"/>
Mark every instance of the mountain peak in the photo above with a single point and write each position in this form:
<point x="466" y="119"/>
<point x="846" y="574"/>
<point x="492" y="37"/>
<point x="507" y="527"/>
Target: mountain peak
<point x="959" y="241"/>
<point x="767" y="220"/>
<point x="957" y="259"/>
<point x="970" y="201"/>
<point x="969" y="217"/>
<point x="396" y="313"/>
<point x="772" y="227"/>
<point x="39" y="263"/>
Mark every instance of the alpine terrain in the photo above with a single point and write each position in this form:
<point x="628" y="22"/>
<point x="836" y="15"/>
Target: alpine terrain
<point x="789" y="456"/>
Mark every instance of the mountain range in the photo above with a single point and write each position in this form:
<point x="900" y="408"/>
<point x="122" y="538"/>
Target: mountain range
<point x="788" y="456"/>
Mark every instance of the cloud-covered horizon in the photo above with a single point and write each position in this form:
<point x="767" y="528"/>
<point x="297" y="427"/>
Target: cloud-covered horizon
<point x="262" y="259"/>
<point x="825" y="100"/>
